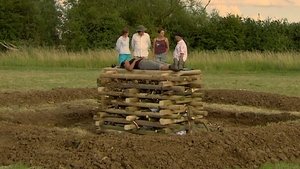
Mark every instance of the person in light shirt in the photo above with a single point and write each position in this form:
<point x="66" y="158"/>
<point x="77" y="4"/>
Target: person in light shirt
<point x="122" y="46"/>
<point x="180" y="53"/>
<point x="141" y="43"/>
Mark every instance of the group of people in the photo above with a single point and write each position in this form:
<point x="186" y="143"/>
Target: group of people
<point x="141" y="45"/>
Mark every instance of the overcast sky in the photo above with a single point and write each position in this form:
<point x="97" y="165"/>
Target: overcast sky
<point x="275" y="9"/>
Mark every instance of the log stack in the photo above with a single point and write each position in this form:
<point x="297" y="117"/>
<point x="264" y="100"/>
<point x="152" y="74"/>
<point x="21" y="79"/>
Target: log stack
<point x="149" y="101"/>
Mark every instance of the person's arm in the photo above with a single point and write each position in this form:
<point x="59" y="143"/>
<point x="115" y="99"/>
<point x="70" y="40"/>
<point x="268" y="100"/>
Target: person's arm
<point x="118" y="45"/>
<point x="149" y="42"/>
<point x="129" y="66"/>
<point x="182" y="50"/>
<point x="133" y="42"/>
<point x="168" y="45"/>
<point x="154" y="41"/>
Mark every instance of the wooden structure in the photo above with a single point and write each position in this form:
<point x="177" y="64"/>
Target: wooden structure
<point x="149" y="101"/>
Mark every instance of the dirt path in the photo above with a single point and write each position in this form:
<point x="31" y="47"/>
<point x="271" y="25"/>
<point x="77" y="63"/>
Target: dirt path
<point x="54" y="129"/>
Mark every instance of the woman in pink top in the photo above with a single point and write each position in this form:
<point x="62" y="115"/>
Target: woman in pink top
<point x="161" y="46"/>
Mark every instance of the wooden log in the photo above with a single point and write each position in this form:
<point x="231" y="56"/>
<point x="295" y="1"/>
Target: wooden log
<point x="171" y="121"/>
<point x="190" y="72"/>
<point x="132" y="91"/>
<point x="145" y="77"/>
<point x="142" y="95"/>
<point x="197" y="94"/>
<point x="101" y="89"/>
<point x="196" y="103"/>
<point x="110" y="128"/>
<point x="131" y="109"/>
<point x="184" y="101"/>
<point x="179" y="89"/>
<point x="169" y="112"/>
<point x="165" y="103"/>
<point x="166" y="83"/>
<point x="139" y="71"/>
<point x="160" y="72"/>
<point x="131" y="100"/>
<point x="161" y="114"/>
<point x="149" y="105"/>
<point x="132" y="118"/>
<point x="196" y="84"/>
<point x="130" y="127"/>
<point x="139" y="122"/>
<point x="99" y="123"/>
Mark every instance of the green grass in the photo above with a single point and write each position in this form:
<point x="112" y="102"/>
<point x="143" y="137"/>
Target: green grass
<point x="281" y="165"/>
<point x="46" y="79"/>
<point x="22" y="79"/>
<point x="17" y="166"/>
<point x="204" y="60"/>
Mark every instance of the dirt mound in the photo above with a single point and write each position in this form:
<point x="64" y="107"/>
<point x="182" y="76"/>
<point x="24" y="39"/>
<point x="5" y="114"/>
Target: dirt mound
<point x="51" y="96"/>
<point x="237" y="97"/>
<point x="54" y="129"/>
<point x="54" y="148"/>
<point x="257" y="99"/>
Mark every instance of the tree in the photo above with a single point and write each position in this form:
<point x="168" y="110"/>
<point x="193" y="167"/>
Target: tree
<point x="30" y="22"/>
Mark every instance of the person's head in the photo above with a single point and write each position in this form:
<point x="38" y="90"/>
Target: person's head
<point x="125" y="31"/>
<point x="178" y="36"/>
<point x="141" y="30"/>
<point x="161" y="32"/>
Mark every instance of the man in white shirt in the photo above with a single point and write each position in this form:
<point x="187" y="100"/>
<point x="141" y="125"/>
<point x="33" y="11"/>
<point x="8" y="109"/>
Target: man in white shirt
<point x="141" y="43"/>
<point x="180" y="53"/>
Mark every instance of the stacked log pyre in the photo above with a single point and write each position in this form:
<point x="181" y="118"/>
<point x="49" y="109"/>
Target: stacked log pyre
<point x="149" y="101"/>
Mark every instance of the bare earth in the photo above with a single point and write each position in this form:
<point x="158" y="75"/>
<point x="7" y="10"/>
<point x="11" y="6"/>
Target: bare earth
<point x="54" y="129"/>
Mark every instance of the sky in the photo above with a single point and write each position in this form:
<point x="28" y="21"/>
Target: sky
<point x="258" y="9"/>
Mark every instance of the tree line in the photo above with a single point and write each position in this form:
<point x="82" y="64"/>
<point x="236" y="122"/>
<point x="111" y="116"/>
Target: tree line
<point x="96" y="24"/>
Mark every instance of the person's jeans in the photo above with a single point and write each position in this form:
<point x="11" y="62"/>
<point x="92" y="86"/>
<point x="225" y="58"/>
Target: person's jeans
<point x="161" y="57"/>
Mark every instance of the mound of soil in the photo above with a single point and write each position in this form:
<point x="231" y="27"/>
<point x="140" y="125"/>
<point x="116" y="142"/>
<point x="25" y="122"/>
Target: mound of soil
<point x="257" y="99"/>
<point x="52" y="96"/>
<point x="237" y="97"/>
<point x="57" y="148"/>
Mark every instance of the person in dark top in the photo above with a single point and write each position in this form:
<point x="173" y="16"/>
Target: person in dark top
<point x="144" y="64"/>
<point x="161" y="46"/>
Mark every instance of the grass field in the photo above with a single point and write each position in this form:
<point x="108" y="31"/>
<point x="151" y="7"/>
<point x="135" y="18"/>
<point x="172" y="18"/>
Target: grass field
<point x="43" y="69"/>
<point x="46" y="79"/>
<point x="204" y="60"/>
